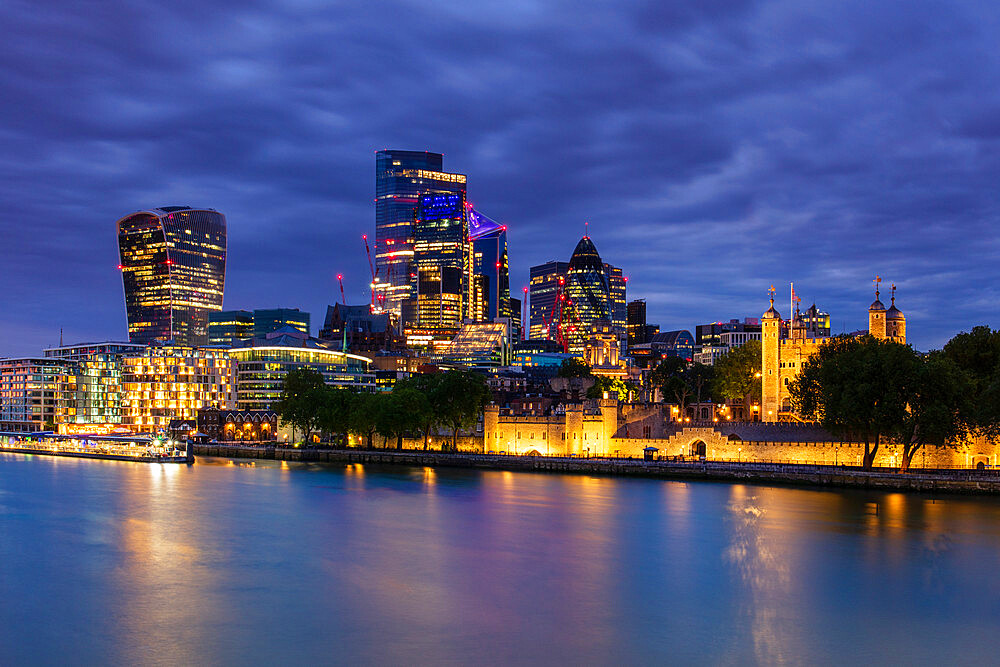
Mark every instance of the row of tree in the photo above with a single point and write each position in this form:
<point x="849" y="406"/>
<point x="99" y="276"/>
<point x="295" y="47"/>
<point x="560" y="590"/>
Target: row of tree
<point x="416" y="407"/>
<point x="734" y="377"/>
<point x="873" y="391"/>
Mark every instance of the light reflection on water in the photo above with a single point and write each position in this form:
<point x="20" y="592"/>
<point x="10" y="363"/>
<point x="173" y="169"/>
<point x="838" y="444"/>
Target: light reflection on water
<point x="265" y="562"/>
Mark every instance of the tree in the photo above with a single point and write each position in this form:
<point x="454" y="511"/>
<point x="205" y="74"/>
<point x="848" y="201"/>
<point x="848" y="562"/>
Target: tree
<point x="856" y="387"/>
<point x="334" y="412"/>
<point x="428" y="385"/>
<point x="460" y="400"/>
<point x="364" y="415"/>
<point x="302" y="394"/>
<point x="574" y="367"/>
<point x="603" y="383"/>
<point x="977" y="355"/>
<point x="737" y="375"/>
<point x="400" y="413"/>
<point x="936" y="393"/>
<point x="669" y="376"/>
<point x="699" y="379"/>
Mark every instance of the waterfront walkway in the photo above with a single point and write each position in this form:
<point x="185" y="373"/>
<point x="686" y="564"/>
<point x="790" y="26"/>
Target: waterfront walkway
<point x="933" y="481"/>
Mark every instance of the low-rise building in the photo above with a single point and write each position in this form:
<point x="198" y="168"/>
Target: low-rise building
<point x="32" y="392"/>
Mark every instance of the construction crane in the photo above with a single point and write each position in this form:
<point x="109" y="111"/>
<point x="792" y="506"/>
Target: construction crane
<point x="371" y="267"/>
<point x="524" y="315"/>
<point x="340" y="279"/>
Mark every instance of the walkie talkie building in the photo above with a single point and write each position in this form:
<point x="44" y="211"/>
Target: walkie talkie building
<point x="173" y="264"/>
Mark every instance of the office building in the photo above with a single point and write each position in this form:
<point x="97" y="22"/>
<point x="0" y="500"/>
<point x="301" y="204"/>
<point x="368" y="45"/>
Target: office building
<point x="443" y="263"/>
<point x="263" y="363"/>
<point x="357" y="329"/>
<point x="228" y="327"/>
<point x="618" y="302"/>
<point x="674" y="344"/>
<point x="480" y="345"/>
<point x="166" y="382"/>
<point x="635" y="326"/>
<point x="491" y="269"/>
<point x="401" y="177"/>
<point x="173" y="264"/>
<point x="269" y="320"/>
<point x="587" y="293"/>
<point x="546" y="283"/>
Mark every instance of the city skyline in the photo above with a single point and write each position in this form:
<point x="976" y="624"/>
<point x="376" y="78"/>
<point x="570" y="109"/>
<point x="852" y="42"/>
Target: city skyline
<point x="707" y="169"/>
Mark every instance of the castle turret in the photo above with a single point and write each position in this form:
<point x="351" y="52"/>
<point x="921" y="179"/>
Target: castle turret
<point x="770" y="379"/>
<point x="895" y="322"/>
<point x="876" y="315"/>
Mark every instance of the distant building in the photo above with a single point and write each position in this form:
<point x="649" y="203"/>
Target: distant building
<point x="443" y="262"/>
<point x="165" y="382"/>
<point x="237" y="425"/>
<point x="227" y="327"/>
<point x="587" y="294"/>
<point x="491" y="269"/>
<point x="173" y="263"/>
<point x="603" y="351"/>
<point x="546" y="282"/>
<point x="674" y="344"/>
<point x="269" y="320"/>
<point x="635" y="326"/>
<point x="817" y="322"/>
<point x="264" y="362"/>
<point x="618" y="300"/>
<point x="715" y="339"/>
<point x="480" y="345"/>
<point x="401" y="177"/>
<point x="360" y="330"/>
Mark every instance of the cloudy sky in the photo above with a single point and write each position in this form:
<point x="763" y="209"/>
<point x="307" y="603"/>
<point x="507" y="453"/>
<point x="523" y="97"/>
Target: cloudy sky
<point x="715" y="147"/>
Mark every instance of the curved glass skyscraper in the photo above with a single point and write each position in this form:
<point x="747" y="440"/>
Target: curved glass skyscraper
<point x="588" y="294"/>
<point x="173" y="263"/>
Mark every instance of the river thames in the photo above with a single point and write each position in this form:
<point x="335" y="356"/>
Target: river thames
<point x="265" y="562"/>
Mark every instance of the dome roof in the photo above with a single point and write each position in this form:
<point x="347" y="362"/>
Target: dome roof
<point x="586" y="257"/>
<point x="893" y="313"/>
<point x="771" y="313"/>
<point x="876" y="305"/>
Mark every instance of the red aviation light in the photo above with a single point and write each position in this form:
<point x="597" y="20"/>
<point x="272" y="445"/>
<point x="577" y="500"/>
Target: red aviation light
<point x="525" y="289"/>
<point x="169" y="262"/>
<point x="121" y="267"/>
<point x="340" y="276"/>
<point x="498" y="265"/>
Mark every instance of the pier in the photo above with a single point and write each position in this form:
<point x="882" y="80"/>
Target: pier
<point x="112" y="448"/>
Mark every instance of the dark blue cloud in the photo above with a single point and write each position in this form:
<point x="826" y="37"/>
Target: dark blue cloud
<point x="715" y="147"/>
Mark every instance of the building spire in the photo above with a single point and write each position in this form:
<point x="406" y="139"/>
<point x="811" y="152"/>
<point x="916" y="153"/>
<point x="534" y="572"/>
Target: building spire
<point x="586" y="229"/>
<point x="770" y="292"/>
<point x="878" y="279"/>
<point x="893" y="294"/>
<point x="60" y="337"/>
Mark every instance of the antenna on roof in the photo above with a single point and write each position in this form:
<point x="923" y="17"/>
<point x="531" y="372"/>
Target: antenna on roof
<point x="60" y="337"/>
<point x="586" y="229"/>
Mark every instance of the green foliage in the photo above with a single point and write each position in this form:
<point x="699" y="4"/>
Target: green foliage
<point x="401" y="412"/>
<point x="737" y="374"/>
<point x="603" y="384"/>
<point x="937" y="392"/>
<point x="302" y="394"/>
<point x="574" y="368"/>
<point x="679" y="380"/>
<point x="977" y="355"/>
<point x="364" y="416"/>
<point x="459" y="400"/>
<point x="858" y="388"/>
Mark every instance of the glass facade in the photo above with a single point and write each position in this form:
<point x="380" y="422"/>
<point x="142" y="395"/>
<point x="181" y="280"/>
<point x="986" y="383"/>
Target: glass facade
<point x="442" y="259"/>
<point x="228" y="327"/>
<point x="543" y="292"/>
<point x="91" y="390"/>
<point x="31" y="391"/>
<point x="587" y="294"/>
<point x="401" y="177"/>
<point x="261" y="371"/>
<point x="491" y="262"/>
<point x="269" y="320"/>
<point x="619" y="304"/>
<point x="173" y="382"/>
<point x="173" y="263"/>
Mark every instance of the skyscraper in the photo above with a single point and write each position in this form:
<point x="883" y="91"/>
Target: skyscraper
<point x="619" y="304"/>
<point x="400" y="178"/>
<point x="587" y="293"/>
<point x="173" y="263"/>
<point x="543" y="291"/>
<point x="490" y="266"/>
<point x="442" y="260"/>
<point x="636" y="324"/>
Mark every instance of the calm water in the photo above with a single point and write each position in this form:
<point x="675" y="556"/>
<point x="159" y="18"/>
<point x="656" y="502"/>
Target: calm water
<point x="222" y="562"/>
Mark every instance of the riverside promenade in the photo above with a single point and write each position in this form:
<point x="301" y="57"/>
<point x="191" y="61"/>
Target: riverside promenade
<point x="959" y="481"/>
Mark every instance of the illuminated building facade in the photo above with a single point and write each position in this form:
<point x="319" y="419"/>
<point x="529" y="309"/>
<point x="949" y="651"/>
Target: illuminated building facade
<point x="269" y="320"/>
<point x="674" y="344"/>
<point x="173" y="263"/>
<point x="635" y="325"/>
<point x="264" y="363"/>
<point x="90" y="389"/>
<point x="587" y="293"/>
<point x="357" y="329"/>
<point x="166" y="382"/>
<point x="491" y="268"/>
<point x="787" y="345"/>
<point x="443" y="262"/>
<point x="545" y="282"/>
<point x="227" y="327"/>
<point x="618" y="300"/>
<point x="401" y="177"/>
<point x="480" y="345"/>
<point x="31" y="392"/>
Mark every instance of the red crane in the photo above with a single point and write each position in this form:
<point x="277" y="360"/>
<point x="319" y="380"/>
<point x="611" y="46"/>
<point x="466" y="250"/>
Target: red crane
<point x="340" y="279"/>
<point x="524" y="315"/>
<point x="371" y="267"/>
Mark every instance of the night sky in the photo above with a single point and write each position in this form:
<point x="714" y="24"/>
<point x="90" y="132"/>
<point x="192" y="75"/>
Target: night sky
<point x="715" y="147"/>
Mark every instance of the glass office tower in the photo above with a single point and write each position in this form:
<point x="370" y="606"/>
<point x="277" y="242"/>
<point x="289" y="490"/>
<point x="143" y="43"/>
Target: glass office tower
<point x="442" y="260"/>
<point x="491" y="267"/>
<point x="543" y="291"/>
<point x="173" y="263"/>
<point x="400" y="178"/>
<point x="618" y="305"/>
<point x="587" y="293"/>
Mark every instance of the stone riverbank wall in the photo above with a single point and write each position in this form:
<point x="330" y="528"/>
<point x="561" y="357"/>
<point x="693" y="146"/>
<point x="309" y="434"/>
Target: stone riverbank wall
<point x="929" y="481"/>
